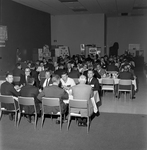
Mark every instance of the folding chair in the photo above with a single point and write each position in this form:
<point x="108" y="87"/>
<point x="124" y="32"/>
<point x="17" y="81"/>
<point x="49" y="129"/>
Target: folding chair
<point x="79" y="105"/>
<point x="125" y="86"/>
<point x="52" y="102"/>
<point x="26" y="101"/>
<point x="5" y="99"/>
<point x="107" y="84"/>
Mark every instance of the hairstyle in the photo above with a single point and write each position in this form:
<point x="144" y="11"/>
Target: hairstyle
<point x="82" y="78"/>
<point x="30" y="80"/>
<point x="64" y="73"/>
<point x="8" y="73"/>
<point x="55" y="78"/>
<point x="18" y="64"/>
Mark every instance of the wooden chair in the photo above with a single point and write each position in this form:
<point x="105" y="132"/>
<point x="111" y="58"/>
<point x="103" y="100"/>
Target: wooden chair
<point x="8" y="100"/>
<point x="79" y="104"/>
<point x="107" y="84"/>
<point x="26" y="101"/>
<point x="52" y="102"/>
<point x="127" y="88"/>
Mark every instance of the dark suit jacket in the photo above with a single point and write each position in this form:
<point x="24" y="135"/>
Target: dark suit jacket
<point x="59" y="72"/>
<point x="95" y="83"/>
<point x="43" y="80"/>
<point x="112" y="67"/>
<point x="34" y="74"/>
<point x="23" y="80"/>
<point x="74" y="74"/>
<point x="30" y="91"/>
<point x="126" y="75"/>
<point x="18" y="72"/>
<point x="54" y="92"/>
<point x="8" y="89"/>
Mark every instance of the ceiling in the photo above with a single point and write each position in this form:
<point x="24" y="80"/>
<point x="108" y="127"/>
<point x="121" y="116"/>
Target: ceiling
<point x="71" y="7"/>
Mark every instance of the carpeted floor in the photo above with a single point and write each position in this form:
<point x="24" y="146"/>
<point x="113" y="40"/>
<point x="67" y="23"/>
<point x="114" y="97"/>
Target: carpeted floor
<point x="109" y="131"/>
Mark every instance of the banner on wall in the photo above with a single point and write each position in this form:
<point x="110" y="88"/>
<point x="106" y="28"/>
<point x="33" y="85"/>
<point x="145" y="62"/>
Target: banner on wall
<point x="62" y="51"/>
<point x="93" y="50"/>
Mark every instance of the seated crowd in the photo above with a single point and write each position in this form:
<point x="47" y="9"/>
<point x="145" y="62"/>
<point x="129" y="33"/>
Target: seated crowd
<point x="56" y="80"/>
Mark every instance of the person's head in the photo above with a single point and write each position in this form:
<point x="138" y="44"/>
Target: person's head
<point x="30" y="80"/>
<point x="18" y="65"/>
<point x="27" y="71"/>
<point x="41" y="64"/>
<point x="82" y="79"/>
<point x="98" y="66"/>
<point x="85" y="66"/>
<point x="64" y="76"/>
<point x="69" y="65"/>
<point x="90" y="74"/>
<point x="32" y="66"/>
<point x="47" y="74"/>
<point x="29" y="64"/>
<point x="9" y="77"/>
<point x="56" y="79"/>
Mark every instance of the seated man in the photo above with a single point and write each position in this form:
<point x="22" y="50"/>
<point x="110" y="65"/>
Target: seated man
<point x="47" y="80"/>
<point x="54" y="91"/>
<point x="126" y="75"/>
<point x="17" y="71"/>
<point x="30" y="91"/>
<point x="84" y="92"/>
<point x="7" y="88"/>
<point x="93" y="81"/>
<point x="23" y="78"/>
<point x="74" y="73"/>
<point x="66" y="82"/>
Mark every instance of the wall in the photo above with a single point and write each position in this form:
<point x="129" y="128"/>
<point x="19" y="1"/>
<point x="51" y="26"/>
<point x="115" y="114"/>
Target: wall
<point x="127" y="30"/>
<point x="73" y="30"/>
<point x="27" y="29"/>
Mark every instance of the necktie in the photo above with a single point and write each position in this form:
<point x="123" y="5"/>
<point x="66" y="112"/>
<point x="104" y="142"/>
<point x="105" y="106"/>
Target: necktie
<point x="47" y="82"/>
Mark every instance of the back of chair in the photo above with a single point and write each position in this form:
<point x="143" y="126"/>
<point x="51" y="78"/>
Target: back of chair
<point x="50" y="101"/>
<point x="80" y="104"/>
<point x="28" y="101"/>
<point x="107" y="81"/>
<point x="16" y="78"/>
<point x="125" y="82"/>
<point x="6" y="99"/>
<point x="112" y="72"/>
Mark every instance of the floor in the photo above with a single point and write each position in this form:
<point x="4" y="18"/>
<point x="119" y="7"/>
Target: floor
<point x="128" y="106"/>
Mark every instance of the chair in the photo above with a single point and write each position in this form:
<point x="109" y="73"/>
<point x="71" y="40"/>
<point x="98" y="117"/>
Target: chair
<point x="5" y="99"/>
<point x="125" y="86"/>
<point x="16" y="79"/>
<point x="51" y="102"/>
<point x="107" y="84"/>
<point x="79" y="104"/>
<point x="26" y="101"/>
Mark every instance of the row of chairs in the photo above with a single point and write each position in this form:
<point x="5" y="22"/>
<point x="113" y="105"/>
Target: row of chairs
<point x="29" y="101"/>
<point x="109" y="85"/>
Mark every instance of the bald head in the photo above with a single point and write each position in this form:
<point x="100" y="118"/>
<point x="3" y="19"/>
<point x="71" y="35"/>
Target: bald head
<point x="82" y="79"/>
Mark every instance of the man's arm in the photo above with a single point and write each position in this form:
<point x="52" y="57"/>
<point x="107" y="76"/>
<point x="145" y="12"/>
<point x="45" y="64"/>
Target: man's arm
<point x="40" y="95"/>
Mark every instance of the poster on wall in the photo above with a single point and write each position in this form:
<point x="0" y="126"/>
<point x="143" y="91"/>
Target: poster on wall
<point x="3" y="35"/>
<point x="93" y="50"/>
<point x="62" y="51"/>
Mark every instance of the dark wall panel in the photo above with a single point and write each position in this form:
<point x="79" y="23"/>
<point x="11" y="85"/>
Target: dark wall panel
<point x="27" y="29"/>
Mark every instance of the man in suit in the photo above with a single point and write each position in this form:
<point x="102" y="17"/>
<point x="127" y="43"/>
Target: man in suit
<point x="17" y="71"/>
<point x="23" y="78"/>
<point x="84" y="92"/>
<point x="7" y="88"/>
<point x="60" y="70"/>
<point x="93" y="81"/>
<point x="47" y="80"/>
<point x="34" y="74"/>
<point x="30" y="91"/>
<point x="126" y="75"/>
<point x="74" y="73"/>
<point x="54" y="91"/>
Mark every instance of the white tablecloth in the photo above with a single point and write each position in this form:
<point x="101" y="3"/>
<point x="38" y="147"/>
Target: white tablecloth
<point x="116" y="81"/>
<point x="94" y="100"/>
